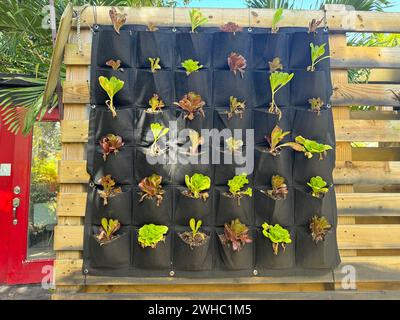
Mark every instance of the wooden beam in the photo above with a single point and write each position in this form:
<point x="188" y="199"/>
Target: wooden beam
<point x="74" y="130"/>
<point x="71" y="204"/>
<point x="72" y="57"/>
<point x="367" y="130"/>
<point x="376" y="154"/>
<point x="368" y="204"/>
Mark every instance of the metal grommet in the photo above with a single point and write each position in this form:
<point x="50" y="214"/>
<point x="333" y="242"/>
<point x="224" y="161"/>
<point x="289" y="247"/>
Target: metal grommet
<point x="121" y="69"/>
<point x="328" y="106"/>
<point x="93" y="106"/>
<point x="173" y="29"/>
<point x="172" y="273"/>
<point x="85" y="271"/>
<point x="255" y="272"/>
<point x="96" y="27"/>
<point x="250" y="29"/>
<point x="326" y="29"/>
<point x="91" y="184"/>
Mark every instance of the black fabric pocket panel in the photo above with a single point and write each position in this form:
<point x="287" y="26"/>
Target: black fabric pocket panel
<point x="199" y="122"/>
<point x="227" y="208"/>
<point x="227" y="42"/>
<point x="148" y="83"/>
<point x="145" y="166"/>
<point x="198" y="82"/>
<point x="158" y="258"/>
<point x="114" y="254"/>
<point x="188" y="207"/>
<point x="122" y="97"/>
<point x="314" y="126"/>
<point x="307" y="206"/>
<point x="192" y="258"/>
<point x="306" y="85"/>
<point x="155" y="45"/>
<point x="265" y="257"/>
<point x="300" y="51"/>
<point x="238" y="122"/>
<point x="104" y="123"/>
<point x="305" y="168"/>
<point x="226" y="84"/>
<point x="273" y="211"/>
<point x="118" y="207"/>
<point x="112" y="45"/>
<point x="267" y="46"/>
<point x="266" y="165"/>
<point x="147" y="211"/>
<point x="321" y="255"/>
<point x="235" y="260"/>
<point x="195" y="46"/>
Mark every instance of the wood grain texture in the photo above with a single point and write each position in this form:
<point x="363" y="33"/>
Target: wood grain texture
<point x="71" y="204"/>
<point x="368" y="204"/>
<point x="376" y="154"/>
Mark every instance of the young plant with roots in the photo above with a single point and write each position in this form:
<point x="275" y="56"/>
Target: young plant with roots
<point x="152" y="189"/>
<point x="107" y="230"/>
<point x="197" y="185"/>
<point x="110" y="144"/>
<point x="236" y="187"/>
<point x="197" y="19"/>
<point x="317" y="53"/>
<point x="278" y="236"/>
<point x="236" y="107"/>
<point x="277" y="81"/>
<point x="191" y="103"/>
<point x="279" y="188"/>
<point x="158" y="131"/>
<point x="111" y="87"/>
<point x="319" y="227"/>
<point x="109" y="189"/>
<point x="156" y="104"/>
<point x="154" y="64"/>
<point x="194" y="238"/>
<point x="318" y="186"/>
<point x="277" y="135"/>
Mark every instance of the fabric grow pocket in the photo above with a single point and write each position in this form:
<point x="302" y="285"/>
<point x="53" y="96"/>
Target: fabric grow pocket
<point x="157" y="258"/>
<point x="265" y="257"/>
<point x="147" y="211"/>
<point x="227" y="42"/>
<point x="187" y="207"/>
<point x="199" y="122"/>
<point x="266" y="165"/>
<point x="307" y="206"/>
<point x="123" y="97"/>
<point x="306" y="85"/>
<point x="195" y="46"/>
<point x="273" y="211"/>
<point x="148" y="83"/>
<point x="266" y="47"/>
<point x="192" y="258"/>
<point x="235" y="260"/>
<point x="155" y="45"/>
<point x="226" y="84"/>
<point x="321" y="255"/>
<point x="240" y="122"/>
<point x="114" y="254"/>
<point x="119" y="207"/>
<point x="198" y="82"/>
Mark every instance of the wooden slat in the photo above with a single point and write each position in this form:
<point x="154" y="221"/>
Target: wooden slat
<point x="72" y="56"/>
<point x="71" y="204"/>
<point x="68" y="238"/>
<point x="374" y="115"/>
<point x="72" y="171"/>
<point x="76" y="91"/>
<point x="368" y="204"/>
<point x="376" y="154"/>
<point x="74" y="130"/>
<point x="367" y="130"/>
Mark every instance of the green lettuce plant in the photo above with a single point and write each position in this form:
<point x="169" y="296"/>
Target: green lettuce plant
<point x="196" y="19"/>
<point x="316" y="104"/>
<point x="236" y="107"/>
<point x="156" y="104"/>
<point x="154" y="64"/>
<point x="317" y="53"/>
<point x="151" y="188"/>
<point x="318" y="186"/>
<point x="277" y="81"/>
<point x="158" y="131"/>
<point x="319" y="227"/>
<point x="277" y="235"/>
<point x="107" y="230"/>
<point x="278" y="16"/>
<point x="310" y="147"/>
<point x="236" y="235"/>
<point x="197" y="185"/>
<point x="111" y="87"/>
<point x="150" y="235"/>
<point x="191" y="66"/>
<point x="236" y="187"/>
<point x="194" y="238"/>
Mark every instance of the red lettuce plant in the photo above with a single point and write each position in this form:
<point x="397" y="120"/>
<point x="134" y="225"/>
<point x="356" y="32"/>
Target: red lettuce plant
<point x="151" y="188"/>
<point x="236" y="235"/>
<point x="110" y="144"/>
<point x="191" y="103"/>
<point x="109" y="189"/>
<point x="117" y="19"/>
<point x="279" y="188"/>
<point x="107" y="230"/>
<point x="231" y="27"/>
<point x="237" y="63"/>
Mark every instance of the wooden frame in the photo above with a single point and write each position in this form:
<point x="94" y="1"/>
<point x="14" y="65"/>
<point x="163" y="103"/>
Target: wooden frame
<point x="367" y="179"/>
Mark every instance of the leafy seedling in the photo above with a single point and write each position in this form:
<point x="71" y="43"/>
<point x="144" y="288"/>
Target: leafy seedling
<point x="117" y="19"/>
<point x="319" y="227"/>
<point x="237" y="63"/>
<point x="110" y="144"/>
<point x="109" y="189"/>
<point x="194" y="238"/>
<point x="231" y="27"/>
<point x="277" y="135"/>
<point x="279" y="188"/>
<point x="314" y="24"/>
<point x="156" y="104"/>
<point x="317" y="53"/>
<point x="191" y="66"/>
<point x="191" y="103"/>
<point x="150" y="235"/>
<point x="310" y="147"/>
<point x="236" y="187"/>
<point x="197" y="185"/>
<point x="196" y="19"/>
<point x="151" y="188"/>
<point x="236" y="107"/>
<point x="196" y="140"/>
<point x="154" y="64"/>
<point x="318" y="186"/>
<point x="115" y="65"/>
<point x="277" y="81"/>
<point x="275" y="65"/>
<point x="316" y="104"/>
<point x="278" y="16"/>
<point x="158" y="131"/>
<point x="151" y="27"/>
<point x="111" y="87"/>
<point x="277" y="235"/>
<point x="236" y="235"/>
<point x="234" y="145"/>
<point x="107" y="230"/>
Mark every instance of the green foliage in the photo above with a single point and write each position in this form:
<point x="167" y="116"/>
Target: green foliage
<point x="191" y="66"/>
<point x="236" y="184"/>
<point x="196" y="19"/>
<point x="150" y="235"/>
<point x="319" y="227"/>
<point x="277" y="81"/>
<point x="107" y="230"/>
<point x="277" y="235"/>
<point x="233" y="144"/>
<point x="197" y="184"/>
<point x="195" y="226"/>
<point x="109" y="188"/>
<point x="316" y="104"/>
<point x="317" y="53"/>
<point x="318" y="186"/>
<point x="236" y="107"/>
<point x="111" y="86"/>
<point x="277" y="135"/>
<point x="310" y="147"/>
<point x="155" y="103"/>
<point x="151" y="188"/>
<point x="154" y="64"/>
<point x="158" y="131"/>
<point x="278" y="16"/>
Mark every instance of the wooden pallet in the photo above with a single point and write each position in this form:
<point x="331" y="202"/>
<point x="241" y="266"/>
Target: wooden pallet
<point x="367" y="180"/>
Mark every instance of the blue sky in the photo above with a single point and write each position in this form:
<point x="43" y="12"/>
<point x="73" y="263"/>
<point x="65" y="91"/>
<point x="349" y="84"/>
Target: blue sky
<point x="240" y="4"/>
